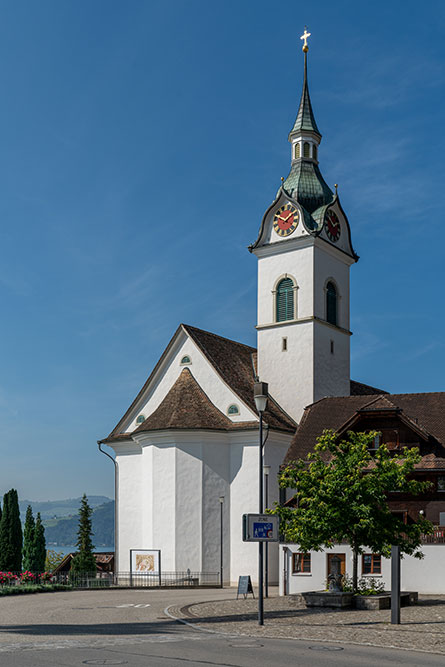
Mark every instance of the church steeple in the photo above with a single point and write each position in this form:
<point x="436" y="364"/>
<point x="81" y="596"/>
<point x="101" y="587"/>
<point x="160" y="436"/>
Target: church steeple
<point x="305" y="182"/>
<point x="305" y="120"/>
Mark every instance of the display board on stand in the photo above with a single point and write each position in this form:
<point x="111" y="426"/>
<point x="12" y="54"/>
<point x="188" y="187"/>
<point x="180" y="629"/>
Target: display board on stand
<point x="145" y="563"/>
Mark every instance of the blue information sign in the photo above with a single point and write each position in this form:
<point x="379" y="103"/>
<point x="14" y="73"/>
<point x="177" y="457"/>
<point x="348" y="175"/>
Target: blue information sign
<point x="260" y="528"/>
<point x="262" y="531"/>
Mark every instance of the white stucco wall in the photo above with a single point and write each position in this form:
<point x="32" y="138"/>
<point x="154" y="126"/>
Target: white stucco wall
<point x="331" y="369"/>
<point x="329" y="264"/>
<point x="307" y="370"/>
<point x="129" y="460"/>
<point x="170" y="485"/>
<point x="425" y="576"/>
<point x="244" y="495"/>
<point x="297" y="261"/>
<point x="290" y="373"/>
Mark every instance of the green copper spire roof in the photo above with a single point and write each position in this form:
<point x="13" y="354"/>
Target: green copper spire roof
<point x="306" y="184"/>
<point x="305" y="118"/>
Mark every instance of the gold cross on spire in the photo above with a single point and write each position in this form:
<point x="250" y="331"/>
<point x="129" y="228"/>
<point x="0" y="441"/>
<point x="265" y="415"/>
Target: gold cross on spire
<point x="304" y="36"/>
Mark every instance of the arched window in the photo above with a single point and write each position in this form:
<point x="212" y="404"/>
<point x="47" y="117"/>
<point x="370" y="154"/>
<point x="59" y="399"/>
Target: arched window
<point x="140" y="419"/>
<point x="314" y="151"/>
<point x="306" y="149"/>
<point x="233" y="410"/>
<point x="297" y="150"/>
<point x="185" y="360"/>
<point x="331" y="303"/>
<point x="285" y="300"/>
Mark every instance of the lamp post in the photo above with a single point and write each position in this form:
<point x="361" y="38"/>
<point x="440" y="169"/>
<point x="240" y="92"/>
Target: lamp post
<point x="260" y="393"/>
<point x="266" y="554"/>
<point x="221" y="553"/>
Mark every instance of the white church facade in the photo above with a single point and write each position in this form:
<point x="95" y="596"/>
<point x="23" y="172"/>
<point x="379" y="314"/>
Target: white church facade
<point x="189" y="441"/>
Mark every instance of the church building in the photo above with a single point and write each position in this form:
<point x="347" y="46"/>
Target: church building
<point x="186" y="450"/>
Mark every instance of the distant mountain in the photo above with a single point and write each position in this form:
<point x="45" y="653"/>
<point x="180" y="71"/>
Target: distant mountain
<point x="63" y="531"/>
<point x="51" y="509"/>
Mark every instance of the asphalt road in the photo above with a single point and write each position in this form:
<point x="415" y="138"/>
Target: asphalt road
<point x="130" y="628"/>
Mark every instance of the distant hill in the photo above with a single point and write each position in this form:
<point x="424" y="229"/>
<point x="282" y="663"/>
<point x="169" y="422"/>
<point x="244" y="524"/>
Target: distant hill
<point x="63" y="531"/>
<point x="50" y="509"/>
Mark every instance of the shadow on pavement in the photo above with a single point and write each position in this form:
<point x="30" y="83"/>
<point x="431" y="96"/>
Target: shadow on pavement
<point x="111" y="629"/>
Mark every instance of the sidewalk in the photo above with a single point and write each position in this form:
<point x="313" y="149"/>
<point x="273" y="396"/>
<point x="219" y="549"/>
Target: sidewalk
<point x="422" y="626"/>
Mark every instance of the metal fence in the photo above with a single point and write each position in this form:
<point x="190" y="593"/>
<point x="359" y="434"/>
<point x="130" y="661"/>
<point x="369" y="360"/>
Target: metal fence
<point x="186" y="579"/>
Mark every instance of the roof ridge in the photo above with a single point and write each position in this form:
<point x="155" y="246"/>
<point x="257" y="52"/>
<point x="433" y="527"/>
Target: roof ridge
<point x="419" y="393"/>
<point x="187" y="327"/>
<point x="379" y="397"/>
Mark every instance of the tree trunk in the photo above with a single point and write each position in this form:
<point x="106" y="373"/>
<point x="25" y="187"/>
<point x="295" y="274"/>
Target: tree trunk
<point x="354" y="569"/>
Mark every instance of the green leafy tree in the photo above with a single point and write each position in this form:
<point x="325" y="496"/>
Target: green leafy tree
<point x="28" y="541"/>
<point x="11" y="533"/>
<point x="341" y="493"/>
<point x="53" y="559"/>
<point x="84" y="561"/>
<point x="39" y="546"/>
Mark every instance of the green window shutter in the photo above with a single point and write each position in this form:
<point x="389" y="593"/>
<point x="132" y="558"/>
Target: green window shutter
<point x="331" y="303"/>
<point x="285" y="300"/>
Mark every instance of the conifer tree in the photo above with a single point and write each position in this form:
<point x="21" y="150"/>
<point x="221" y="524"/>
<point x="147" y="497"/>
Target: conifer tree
<point x="28" y="541"/>
<point x="11" y="533"/>
<point x="39" y="546"/>
<point x="4" y="533"/>
<point x="84" y="561"/>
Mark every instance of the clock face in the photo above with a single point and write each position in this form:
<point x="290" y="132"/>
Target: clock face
<point x="285" y="220"/>
<point x="332" y="226"/>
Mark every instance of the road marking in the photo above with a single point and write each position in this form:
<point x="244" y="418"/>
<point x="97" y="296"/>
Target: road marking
<point x="131" y="604"/>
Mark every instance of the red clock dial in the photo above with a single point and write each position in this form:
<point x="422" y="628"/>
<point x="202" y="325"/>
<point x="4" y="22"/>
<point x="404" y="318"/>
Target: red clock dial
<point x="332" y="226"/>
<point x="286" y="220"/>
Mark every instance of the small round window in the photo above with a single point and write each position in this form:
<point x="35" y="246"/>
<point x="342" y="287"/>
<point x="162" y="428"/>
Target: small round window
<point x="140" y="419"/>
<point x="185" y="360"/>
<point x="233" y="410"/>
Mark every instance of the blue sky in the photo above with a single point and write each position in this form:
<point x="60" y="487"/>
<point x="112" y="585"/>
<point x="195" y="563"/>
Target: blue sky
<point x="141" y="143"/>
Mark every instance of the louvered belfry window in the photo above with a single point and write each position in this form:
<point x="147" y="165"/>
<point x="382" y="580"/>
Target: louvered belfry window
<point x="285" y="300"/>
<point x="331" y="303"/>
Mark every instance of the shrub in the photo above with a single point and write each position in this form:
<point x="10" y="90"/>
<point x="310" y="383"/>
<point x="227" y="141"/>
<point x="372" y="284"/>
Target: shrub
<point x="370" y="586"/>
<point x="7" y="578"/>
<point x="33" y="588"/>
<point x="365" y="585"/>
<point x="27" y="577"/>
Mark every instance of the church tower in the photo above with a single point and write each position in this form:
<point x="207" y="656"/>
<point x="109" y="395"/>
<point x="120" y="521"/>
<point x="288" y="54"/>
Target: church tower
<point x="304" y="252"/>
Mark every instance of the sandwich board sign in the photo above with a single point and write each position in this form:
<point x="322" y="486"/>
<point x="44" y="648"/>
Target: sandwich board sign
<point x="260" y="528"/>
<point x="244" y="586"/>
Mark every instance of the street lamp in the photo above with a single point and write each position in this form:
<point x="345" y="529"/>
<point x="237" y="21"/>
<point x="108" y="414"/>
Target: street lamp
<point x="221" y="507"/>
<point x="260" y="394"/>
<point x="266" y="555"/>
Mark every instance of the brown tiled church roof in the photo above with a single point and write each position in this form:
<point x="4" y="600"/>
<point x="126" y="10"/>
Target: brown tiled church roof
<point x="235" y="363"/>
<point x="426" y="411"/>
<point x="187" y="406"/>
